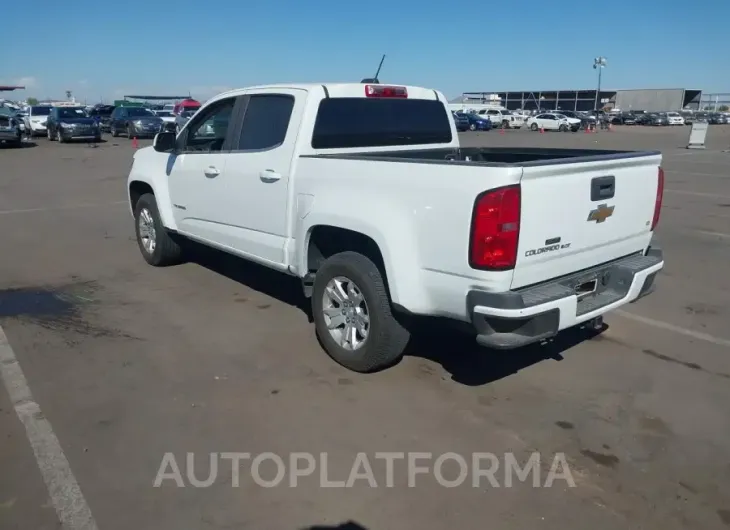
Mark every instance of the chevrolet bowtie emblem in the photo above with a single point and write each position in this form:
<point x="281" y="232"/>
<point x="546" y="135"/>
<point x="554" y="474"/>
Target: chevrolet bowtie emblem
<point x="601" y="213"/>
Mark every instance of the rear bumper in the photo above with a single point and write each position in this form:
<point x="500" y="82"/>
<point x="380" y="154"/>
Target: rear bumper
<point x="517" y="318"/>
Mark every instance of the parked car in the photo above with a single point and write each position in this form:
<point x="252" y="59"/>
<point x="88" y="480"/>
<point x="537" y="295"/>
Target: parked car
<point x="656" y="119"/>
<point x="36" y="119"/>
<point x="548" y="122"/>
<point x="461" y="121"/>
<point x="477" y="122"/>
<point x="103" y="114"/>
<point x="717" y="119"/>
<point x="10" y="131"/>
<point x="502" y="118"/>
<point x="72" y="123"/>
<point x="134" y="122"/>
<point x="625" y="118"/>
<point x="674" y="118"/>
<point x="165" y="115"/>
<point x="574" y="124"/>
<point x="182" y="118"/>
<point x="292" y="179"/>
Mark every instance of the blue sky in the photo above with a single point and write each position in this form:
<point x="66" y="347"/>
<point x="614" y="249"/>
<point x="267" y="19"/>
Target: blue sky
<point x="107" y="49"/>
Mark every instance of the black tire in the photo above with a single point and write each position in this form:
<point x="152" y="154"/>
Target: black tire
<point x="59" y="136"/>
<point x="505" y="124"/>
<point x="130" y="134"/>
<point x="387" y="338"/>
<point x="113" y="131"/>
<point x="166" y="251"/>
<point x="50" y="135"/>
<point x="534" y="127"/>
<point x="563" y="128"/>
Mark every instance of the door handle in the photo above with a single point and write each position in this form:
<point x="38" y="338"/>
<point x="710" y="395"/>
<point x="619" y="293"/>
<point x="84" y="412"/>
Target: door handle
<point x="211" y="172"/>
<point x="269" y="175"/>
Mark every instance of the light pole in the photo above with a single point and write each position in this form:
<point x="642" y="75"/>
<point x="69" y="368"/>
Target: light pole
<point x="599" y="63"/>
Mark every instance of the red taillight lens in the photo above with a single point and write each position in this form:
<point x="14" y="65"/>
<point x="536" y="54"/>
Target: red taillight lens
<point x="495" y="229"/>
<point x="659" y="197"/>
<point x="382" y="91"/>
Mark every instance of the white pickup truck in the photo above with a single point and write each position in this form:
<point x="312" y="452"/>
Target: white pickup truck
<point x="364" y="193"/>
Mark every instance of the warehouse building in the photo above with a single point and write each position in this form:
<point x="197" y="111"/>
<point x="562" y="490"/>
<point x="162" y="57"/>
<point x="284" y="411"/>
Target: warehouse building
<point x="660" y="99"/>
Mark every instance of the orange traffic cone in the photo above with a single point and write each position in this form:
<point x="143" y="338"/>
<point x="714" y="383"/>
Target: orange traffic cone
<point x="542" y="131"/>
<point x="501" y="131"/>
<point x="588" y="129"/>
<point x="135" y="143"/>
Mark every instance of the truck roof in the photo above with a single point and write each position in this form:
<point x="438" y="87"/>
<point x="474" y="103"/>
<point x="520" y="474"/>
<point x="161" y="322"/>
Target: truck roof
<point x="341" y="90"/>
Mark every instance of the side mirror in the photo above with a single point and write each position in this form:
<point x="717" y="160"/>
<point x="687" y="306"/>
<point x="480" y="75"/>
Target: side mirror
<point x="164" y="142"/>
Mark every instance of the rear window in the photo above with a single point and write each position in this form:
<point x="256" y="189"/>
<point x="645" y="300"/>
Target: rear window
<point x="366" y="122"/>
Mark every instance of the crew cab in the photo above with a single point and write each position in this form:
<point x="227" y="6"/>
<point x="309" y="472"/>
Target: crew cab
<point x="363" y="192"/>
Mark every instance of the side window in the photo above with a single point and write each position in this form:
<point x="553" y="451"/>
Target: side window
<point x="265" y="122"/>
<point x="493" y="112"/>
<point x="208" y="132"/>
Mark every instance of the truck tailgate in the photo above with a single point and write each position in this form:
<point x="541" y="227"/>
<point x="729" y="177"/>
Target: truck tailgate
<point x="577" y="215"/>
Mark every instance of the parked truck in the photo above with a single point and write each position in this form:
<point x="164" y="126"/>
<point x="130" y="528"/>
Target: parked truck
<point x="363" y="192"/>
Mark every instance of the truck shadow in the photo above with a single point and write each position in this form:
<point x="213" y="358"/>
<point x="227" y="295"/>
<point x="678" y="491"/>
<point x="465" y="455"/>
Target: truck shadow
<point x="470" y="364"/>
<point x="437" y="340"/>
<point x="349" y="525"/>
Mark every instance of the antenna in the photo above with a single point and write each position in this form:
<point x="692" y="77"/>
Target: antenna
<point x="375" y="79"/>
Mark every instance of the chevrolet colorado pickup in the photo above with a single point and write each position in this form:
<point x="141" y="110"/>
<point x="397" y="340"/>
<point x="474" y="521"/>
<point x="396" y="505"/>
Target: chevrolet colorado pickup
<point x="363" y="192"/>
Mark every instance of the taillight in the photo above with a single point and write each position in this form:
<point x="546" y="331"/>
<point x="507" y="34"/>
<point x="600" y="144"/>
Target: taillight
<point x="495" y="229"/>
<point x="382" y="91"/>
<point x="659" y="197"/>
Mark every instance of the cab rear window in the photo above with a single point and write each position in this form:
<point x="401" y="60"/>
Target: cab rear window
<point x="377" y="122"/>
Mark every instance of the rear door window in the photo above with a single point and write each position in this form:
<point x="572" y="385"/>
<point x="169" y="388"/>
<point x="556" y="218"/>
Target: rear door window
<point x="377" y="122"/>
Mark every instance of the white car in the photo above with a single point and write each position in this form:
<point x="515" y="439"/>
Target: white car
<point x="165" y="115"/>
<point x="35" y="120"/>
<point x="574" y="123"/>
<point x="380" y="213"/>
<point x="502" y="118"/>
<point x="549" y="122"/>
<point x="675" y="118"/>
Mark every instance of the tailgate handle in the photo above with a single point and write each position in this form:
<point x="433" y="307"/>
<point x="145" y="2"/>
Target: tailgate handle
<point x="603" y="188"/>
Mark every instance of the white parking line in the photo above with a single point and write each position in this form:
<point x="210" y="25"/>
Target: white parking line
<point x="71" y="507"/>
<point x="676" y="329"/>
<point x="698" y="194"/>
<point x="691" y="174"/>
<point x="711" y="233"/>
<point x="55" y="208"/>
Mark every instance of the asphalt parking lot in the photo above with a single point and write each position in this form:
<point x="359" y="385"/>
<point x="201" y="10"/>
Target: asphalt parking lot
<point x="128" y="363"/>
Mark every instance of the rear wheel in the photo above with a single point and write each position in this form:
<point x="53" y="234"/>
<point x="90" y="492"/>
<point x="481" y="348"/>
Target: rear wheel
<point x="533" y="127"/>
<point x="113" y="131"/>
<point x="353" y="316"/>
<point x="505" y="124"/>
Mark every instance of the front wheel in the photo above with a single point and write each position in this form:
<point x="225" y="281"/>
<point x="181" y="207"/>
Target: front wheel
<point x="59" y="136"/>
<point x="533" y="127"/>
<point x="473" y="127"/>
<point x="155" y="244"/>
<point x="353" y="316"/>
<point x="563" y="128"/>
<point x="505" y="124"/>
<point x="50" y="135"/>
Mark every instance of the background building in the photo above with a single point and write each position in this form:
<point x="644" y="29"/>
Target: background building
<point x="640" y="99"/>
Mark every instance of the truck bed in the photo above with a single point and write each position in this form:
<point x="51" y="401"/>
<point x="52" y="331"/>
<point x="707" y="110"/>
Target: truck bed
<point x="494" y="156"/>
